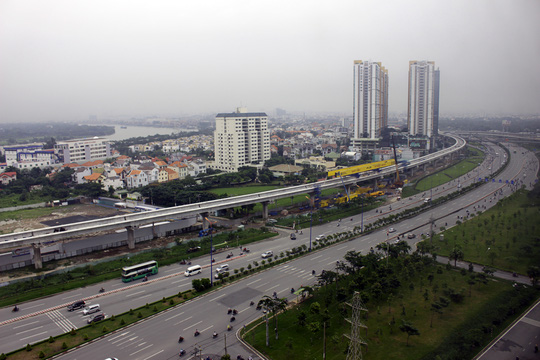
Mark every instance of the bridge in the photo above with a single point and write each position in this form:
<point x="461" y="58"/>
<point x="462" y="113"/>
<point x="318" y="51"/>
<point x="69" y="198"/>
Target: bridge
<point x="49" y="235"/>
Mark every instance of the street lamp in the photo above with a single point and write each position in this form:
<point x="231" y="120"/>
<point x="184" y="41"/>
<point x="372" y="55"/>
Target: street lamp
<point x="310" y="220"/>
<point x="211" y="230"/>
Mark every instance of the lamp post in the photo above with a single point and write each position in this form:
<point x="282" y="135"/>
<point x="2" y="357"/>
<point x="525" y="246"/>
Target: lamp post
<point x="211" y="230"/>
<point x="310" y="220"/>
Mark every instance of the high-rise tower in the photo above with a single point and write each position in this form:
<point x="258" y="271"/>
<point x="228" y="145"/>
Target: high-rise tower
<point x="370" y="102"/>
<point x="423" y="104"/>
<point x="241" y="139"/>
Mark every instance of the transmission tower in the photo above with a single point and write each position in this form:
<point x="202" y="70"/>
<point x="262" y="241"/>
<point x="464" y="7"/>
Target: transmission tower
<point x="356" y="342"/>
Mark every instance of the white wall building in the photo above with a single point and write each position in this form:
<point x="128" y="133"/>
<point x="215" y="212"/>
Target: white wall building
<point x="241" y="139"/>
<point x="29" y="156"/>
<point x="370" y="99"/>
<point x="423" y="103"/>
<point x="79" y="151"/>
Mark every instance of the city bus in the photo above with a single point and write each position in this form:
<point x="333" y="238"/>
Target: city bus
<point x="135" y="272"/>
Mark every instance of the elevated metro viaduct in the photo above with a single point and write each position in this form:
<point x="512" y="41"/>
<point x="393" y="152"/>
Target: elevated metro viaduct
<point x="47" y="236"/>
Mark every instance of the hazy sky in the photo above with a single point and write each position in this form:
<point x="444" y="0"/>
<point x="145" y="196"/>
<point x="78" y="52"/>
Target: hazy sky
<point x="67" y="59"/>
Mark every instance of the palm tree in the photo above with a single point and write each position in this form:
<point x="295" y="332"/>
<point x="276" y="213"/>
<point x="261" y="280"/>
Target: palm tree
<point x="274" y="305"/>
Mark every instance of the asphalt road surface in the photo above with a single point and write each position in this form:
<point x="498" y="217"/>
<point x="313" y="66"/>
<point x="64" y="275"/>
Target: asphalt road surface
<point x="157" y="337"/>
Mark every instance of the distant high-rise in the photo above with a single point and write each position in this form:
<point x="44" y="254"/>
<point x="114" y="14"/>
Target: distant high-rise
<point x="370" y="99"/>
<point x="423" y="104"/>
<point x="241" y="139"/>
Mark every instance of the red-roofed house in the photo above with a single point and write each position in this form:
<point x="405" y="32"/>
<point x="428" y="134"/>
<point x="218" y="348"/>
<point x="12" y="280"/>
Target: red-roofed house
<point x="7" y="177"/>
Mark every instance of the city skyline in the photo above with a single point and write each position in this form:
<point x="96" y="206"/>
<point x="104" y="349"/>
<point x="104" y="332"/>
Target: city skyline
<point x="64" y="60"/>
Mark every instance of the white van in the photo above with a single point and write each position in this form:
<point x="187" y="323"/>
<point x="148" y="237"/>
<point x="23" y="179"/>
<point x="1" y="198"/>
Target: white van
<point x="193" y="270"/>
<point x="91" y="309"/>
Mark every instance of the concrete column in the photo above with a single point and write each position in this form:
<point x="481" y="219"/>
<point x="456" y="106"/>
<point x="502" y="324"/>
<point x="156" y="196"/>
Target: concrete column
<point x="265" y="210"/>
<point x="154" y="233"/>
<point x="38" y="264"/>
<point x="131" y="237"/>
<point x="205" y="223"/>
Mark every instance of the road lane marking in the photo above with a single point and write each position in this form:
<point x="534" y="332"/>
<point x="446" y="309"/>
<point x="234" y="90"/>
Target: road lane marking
<point x="193" y="325"/>
<point x="208" y="328"/>
<point x="16" y="327"/>
<point x="33" y="306"/>
<point x="273" y="287"/>
<point x="177" y="281"/>
<point x="141" y="344"/>
<point x="253" y="282"/>
<point x="138" y="292"/>
<point x="116" y="337"/>
<point x="258" y="286"/>
<point x="181" y="321"/>
<point x="128" y="340"/>
<point x="31" y="336"/>
<point x="151" y="356"/>
<point x="172" y="317"/>
<point x="341" y="248"/>
<point x="217" y="297"/>
<point x="316" y="257"/>
<point x="142" y="297"/>
<point x="25" y="331"/>
<point x="72" y="296"/>
<point x="144" y="348"/>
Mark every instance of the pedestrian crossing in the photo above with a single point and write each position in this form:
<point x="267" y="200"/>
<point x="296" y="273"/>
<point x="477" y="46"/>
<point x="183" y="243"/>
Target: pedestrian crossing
<point x="61" y="321"/>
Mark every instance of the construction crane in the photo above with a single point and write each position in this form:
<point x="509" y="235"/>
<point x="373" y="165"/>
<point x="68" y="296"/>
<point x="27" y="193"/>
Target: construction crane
<point x="398" y="183"/>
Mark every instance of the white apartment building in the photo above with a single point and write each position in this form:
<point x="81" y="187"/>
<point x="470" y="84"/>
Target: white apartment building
<point x="29" y="156"/>
<point x="79" y="151"/>
<point x="370" y="100"/>
<point x="241" y="139"/>
<point x="423" y="101"/>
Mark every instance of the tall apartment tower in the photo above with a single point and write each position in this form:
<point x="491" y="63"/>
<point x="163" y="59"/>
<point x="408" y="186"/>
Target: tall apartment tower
<point x="241" y="139"/>
<point x="370" y="102"/>
<point x="423" y="105"/>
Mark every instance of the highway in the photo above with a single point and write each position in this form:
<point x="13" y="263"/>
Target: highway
<point x="155" y="338"/>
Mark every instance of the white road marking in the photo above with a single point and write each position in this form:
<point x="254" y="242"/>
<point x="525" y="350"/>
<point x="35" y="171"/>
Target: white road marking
<point x="208" y="328"/>
<point x="25" y="331"/>
<point x="273" y="287"/>
<point x="217" y="297"/>
<point x="33" y="306"/>
<point x="31" y="336"/>
<point x="172" y="317"/>
<point x="181" y="321"/>
<point x="316" y="257"/>
<point x="341" y="248"/>
<point x="256" y="287"/>
<point x="16" y="327"/>
<point x="138" y="292"/>
<point x="144" y="348"/>
<point x="127" y="340"/>
<point x="120" y="335"/>
<point x="72" y="296"/>
<point x="151" y="356"/>
<point x="142" y="297"/>
<point x="253" y="282"/>
<point x="141" y="344"/>
<point x="189" y="327"/>
<point x="177" y="281"/>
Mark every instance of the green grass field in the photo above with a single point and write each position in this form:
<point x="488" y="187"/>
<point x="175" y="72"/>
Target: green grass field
<point x="505" y="237"/>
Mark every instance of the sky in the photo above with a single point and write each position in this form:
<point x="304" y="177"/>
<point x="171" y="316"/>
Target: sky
<point x="64" y="60"/>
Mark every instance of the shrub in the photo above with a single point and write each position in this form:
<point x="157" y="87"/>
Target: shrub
<point x="64" y="345"/>
<point x="139" y="315"/>
<point x="51" y="339"/>
<point x="122" y="322"/>
<point x="73" y="332"/>
<point x="155" y="308"/>
<point x="104" y="330"/>
<point x="171" y="302"/>
<point x="41" y="355"/>
<point x="85" y="336"/>
<point x="130" y="311"/>
<point x="28" y="347"/>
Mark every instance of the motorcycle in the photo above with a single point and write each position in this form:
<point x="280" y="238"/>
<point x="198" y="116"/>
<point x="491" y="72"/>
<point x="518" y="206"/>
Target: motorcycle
<point x="183" y="262"/>
<point x="15" y="309"/>
<point x="229" y="327"/>
<point x="180" y="339"/>
<point x="182" y="352"/>
<point x="232" y="318"/>
<point x="292" y="290"/>
<point x="145" y="279"/>
<point x="251" y="303"/>
<point x="102" y="290"/>
<point x="214" y="335"/>
<point x="229" y="311"/>
<point x="197" y="333"/>
<point x="234" y="312"/>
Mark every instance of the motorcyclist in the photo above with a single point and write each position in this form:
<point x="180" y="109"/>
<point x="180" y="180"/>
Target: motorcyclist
<point x="214" y="334"/>
<point x="197" y="332"/>
<point x="101" y="290"/>
<point x="292" y="290"/>
<point x="182" y="351"/>
<point x="229" y="327"/>
<point x="16" y="308"/>
<point x="180" y="339"/>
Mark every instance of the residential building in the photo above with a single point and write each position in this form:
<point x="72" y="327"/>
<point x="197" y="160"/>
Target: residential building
<point x="7" y="177"/>
<point x="423" y="100"/>
<point x="80" y="151"/>
<point x="29" y="156"/>
<point x="370" y="102"/>
<point x="241" y="139"/>
<point x="136" y="178"/>
<point x="283" y="170"/>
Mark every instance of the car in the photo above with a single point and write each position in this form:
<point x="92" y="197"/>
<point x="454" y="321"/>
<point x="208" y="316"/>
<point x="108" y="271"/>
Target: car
<point x="76" y="305"/>
<point x="222" y="268"/>
<point x="220" y="275"/>
<point x="293" y="236"/>
<point x="267" y="254"/>
<point x="96" y="318"/>
<point x="193" y="249"/>
<point x="111" y="359"/>
<point x="427" y="200"/>
<point x="91" y="309"/>
<point x="320" y="237"/>
<point x="411" y="236"/>
<point x="391" y="230"/>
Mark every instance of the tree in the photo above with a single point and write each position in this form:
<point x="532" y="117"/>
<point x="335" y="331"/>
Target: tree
<point x="274" y="305"/>
<point x="409" y="329"/>
<point x="435" y="308"/>
<point x="456" y="254"/>
<point x="534" y="273"/>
